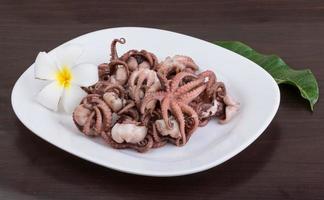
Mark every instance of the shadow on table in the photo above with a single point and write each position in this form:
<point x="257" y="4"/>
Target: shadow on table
<point x="58" y="174"/>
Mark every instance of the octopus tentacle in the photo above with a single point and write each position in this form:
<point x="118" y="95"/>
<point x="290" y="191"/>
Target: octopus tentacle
<point x="150" y="97"/>
<point x="86" y="100"/>
<point x="146" y="75"/>
<point x="115" y="63"/>
<point x="165" y="83"/>
<point x="165" y="106"/>
<point x="118" y="73"/>
<point x="87" y="126"/>
<point x="141" y="82"/>
<point x="113" y="54"/>
<point x="141" y="78"/>
<point x="133" y="78"/>
<point x="107" y="115"/>
<point x="200" y="108"/>
<point x="192" y="113"/>
<point x="145" y="144"/>
<point x="148" y="118"/>
<point x="139" y="103"/>
<point x="189" y="86"/>
<point x="130" y="105"/>
<point x="211" y="77"/>
<point x="218" y="90"/>
<point x="177" y="64"/>
<point x="178" y="78"/>
<point x="98" y="123"/>
<point x="163" y="68"/>
<point x="131" y="114"/>
<point x="104" y="86"/>
<point x="159" y="140"/>
<point x="155" y="134"/>
<point x="136" y="59"/>
<point x="151" y="79"/>
<point x="103" y="72"/>
<point x="115" y="87"/>
<point x="92" y="115"/>
<point x="159" y="144"/>
<point x="176" y="111"/>
<point x="166" y="70"/>
<point x="188" y="97"/>
<point x="187" y="61"/>
<point x="148" y="57"/>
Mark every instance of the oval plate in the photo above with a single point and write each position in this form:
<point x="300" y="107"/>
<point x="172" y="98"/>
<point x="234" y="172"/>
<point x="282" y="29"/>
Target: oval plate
<point x="211" y="145"/>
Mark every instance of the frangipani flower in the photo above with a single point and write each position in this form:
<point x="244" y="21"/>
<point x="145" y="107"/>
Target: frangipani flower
<point x="65" y="76"/>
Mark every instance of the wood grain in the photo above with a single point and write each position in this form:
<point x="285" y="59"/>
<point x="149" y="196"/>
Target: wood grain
<point x="286" y="162"/>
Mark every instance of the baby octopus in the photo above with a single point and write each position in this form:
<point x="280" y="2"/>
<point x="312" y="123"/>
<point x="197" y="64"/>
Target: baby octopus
<point x="93" y="115"/>
<point x="143" y="81"/>
<point x="139" y="103"/>
<point x="176" y="99"/>
<point x="127" y="132"/>
<point x="116" y="71"/>
<point x="139" y="60"/>
<point x="176" y="64"/>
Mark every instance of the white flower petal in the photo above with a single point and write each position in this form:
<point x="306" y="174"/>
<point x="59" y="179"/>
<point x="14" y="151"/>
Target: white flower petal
<point x="72" y="97"/>
<point x="45" y="66"/>
<point x="85" y="74"/>
<point x="50" y="95"/>
<point x="68" y="55"/>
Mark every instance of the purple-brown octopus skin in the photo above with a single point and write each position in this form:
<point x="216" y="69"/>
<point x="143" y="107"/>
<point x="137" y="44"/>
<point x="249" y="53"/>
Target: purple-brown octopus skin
<point x="113" y="49"/>
<point x="92" y="116"/>
<point x="134" y="59"/>
<point x="141" y="104"/>
<point x="114" y="72"/>
<point x="176" y="99"/>
<point x="177" y="63"/>
<point x="139" y="60"/>
<point x="143" y="81"/>
<point x="113" y="94"/>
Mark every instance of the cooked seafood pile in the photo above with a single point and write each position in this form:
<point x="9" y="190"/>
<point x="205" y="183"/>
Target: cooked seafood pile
<point x="141" y="103"/>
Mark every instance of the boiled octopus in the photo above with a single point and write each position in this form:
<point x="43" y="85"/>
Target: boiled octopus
<point x="139" y="103"/>
<point x="93" y="115"/>
<point x="178" y="63"/>
<point x="142" y="82"/>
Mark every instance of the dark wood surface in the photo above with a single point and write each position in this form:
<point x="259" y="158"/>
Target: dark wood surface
<point x="286" y="162"/>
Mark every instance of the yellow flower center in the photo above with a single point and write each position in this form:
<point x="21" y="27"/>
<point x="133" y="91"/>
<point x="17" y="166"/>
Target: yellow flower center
<point x="64" y="77"/>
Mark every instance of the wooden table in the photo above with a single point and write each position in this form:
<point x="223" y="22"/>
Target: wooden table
<point x="286" y="162"/>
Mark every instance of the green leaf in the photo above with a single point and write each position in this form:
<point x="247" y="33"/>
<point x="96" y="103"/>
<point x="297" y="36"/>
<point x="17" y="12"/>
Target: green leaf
<point x="304" y="80"/>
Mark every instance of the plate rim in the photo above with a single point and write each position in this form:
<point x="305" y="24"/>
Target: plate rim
<point x="153" y="173"/>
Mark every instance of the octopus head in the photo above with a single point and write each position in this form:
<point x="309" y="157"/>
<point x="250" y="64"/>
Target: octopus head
<point x="113" y="101"/>
<point x="231" y="109"/>
<point x="128" y="132"/>
<point x="173" y="132"/>
<point x="81" y="115"/>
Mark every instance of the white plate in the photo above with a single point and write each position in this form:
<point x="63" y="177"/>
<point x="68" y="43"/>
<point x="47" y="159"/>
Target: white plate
<point x="248" y="83"/>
